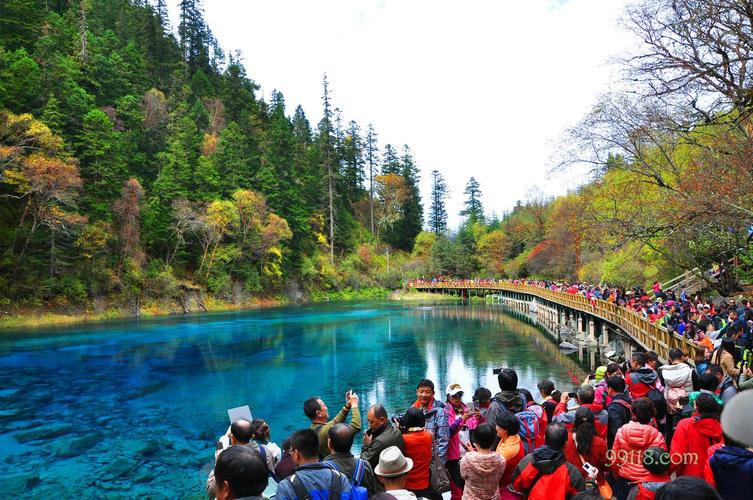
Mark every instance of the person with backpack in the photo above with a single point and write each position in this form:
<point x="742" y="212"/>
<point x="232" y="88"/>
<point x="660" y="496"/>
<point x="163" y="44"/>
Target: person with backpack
<point x="619" y="411"/>
<point x="640" y="378"/>
<point x="313" y="480"/>
<point x="541" y="417"/>
<point x="633" y="439"/>
<point x="585" y="396"/>
<point x="240" y="473"/>
<point x="656" y="461"/>
<point x="508" y="399"/>
<point x="357" y="470"/>
<point x="510" y="447"/>
<point x="643" y="381"/>
<point x="679" y="381"/>
<point x="482" y="469"/>
<point x="694" y="436"/>
<point x="240" y="434"/>
<point x="545" y="473"/>
<point x="316" y="411"/>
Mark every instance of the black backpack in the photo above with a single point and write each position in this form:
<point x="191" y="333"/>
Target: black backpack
<point x="657" y="397"/>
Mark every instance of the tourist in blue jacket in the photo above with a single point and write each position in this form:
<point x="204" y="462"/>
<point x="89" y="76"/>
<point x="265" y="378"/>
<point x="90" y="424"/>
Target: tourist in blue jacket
<point x="730" y="471"/>
<point x="436" y="418"/>
<point x="312" y="479"/>
<point x="730" y="468"/>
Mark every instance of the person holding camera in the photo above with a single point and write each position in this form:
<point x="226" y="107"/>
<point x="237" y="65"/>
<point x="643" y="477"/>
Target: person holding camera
<point x="380" y="435"/>
<point x="585" y="446"/>
<point x="585" y="397"/>
<point x="315" y="409"/>
<point x="240" y="433"/>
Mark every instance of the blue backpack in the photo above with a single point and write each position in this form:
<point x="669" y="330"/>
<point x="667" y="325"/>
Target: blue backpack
<point x="529" y="429"/>
<point x="359" y="492"/>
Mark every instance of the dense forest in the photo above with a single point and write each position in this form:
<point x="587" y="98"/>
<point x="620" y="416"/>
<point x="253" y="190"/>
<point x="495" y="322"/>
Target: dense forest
<point x="138" y="161"/>
<point x="139" y="165"/>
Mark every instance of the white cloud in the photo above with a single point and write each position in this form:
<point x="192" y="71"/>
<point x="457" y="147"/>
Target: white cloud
<point x="480" y="88"/>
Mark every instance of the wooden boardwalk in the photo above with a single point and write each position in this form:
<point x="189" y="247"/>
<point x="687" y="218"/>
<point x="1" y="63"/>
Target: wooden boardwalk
<point x="649" y="335"/>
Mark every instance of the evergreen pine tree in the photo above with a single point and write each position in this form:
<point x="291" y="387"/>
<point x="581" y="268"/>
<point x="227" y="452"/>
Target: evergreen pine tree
<point x="390" y="161"/>
<point x="329" y="158"/>
<point x="473" y="208"/>
<point x="372" y="149"/>
<point x="437" y="212"/>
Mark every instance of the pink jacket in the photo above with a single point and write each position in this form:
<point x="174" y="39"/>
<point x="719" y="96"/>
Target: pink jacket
<point x="631" y="441"/>
<point x="482" y="474"/>
<point x="454" y="422"/>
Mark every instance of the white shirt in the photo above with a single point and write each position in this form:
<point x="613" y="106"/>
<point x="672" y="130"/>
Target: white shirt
<point x="402" y="494"/>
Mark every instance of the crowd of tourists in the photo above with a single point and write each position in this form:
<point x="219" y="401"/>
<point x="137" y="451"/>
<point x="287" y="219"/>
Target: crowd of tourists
<point x="700" y="320"/>
<point x="639" y="430"/>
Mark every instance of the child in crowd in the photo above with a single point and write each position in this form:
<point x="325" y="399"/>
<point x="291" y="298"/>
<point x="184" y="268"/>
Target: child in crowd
<point x="482" y="469"/>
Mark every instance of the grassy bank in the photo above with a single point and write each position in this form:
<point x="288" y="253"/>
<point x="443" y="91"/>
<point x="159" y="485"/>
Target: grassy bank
<point x="40" y="317"/>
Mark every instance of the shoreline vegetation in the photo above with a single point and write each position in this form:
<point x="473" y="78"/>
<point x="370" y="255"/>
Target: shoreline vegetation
<point x="39" y="318"/>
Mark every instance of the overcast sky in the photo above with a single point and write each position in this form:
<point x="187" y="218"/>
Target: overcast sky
<point x="475" y="88"/>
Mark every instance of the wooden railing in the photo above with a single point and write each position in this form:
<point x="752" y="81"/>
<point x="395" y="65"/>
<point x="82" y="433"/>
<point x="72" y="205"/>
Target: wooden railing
<point x="649" y="335"/>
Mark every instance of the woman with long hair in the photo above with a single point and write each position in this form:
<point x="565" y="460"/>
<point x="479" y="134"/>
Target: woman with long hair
<point x="725" y="357"/>
<point x="585" y="445"/>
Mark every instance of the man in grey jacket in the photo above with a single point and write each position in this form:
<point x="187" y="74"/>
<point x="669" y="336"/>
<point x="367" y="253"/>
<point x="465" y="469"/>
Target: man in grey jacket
<point x="380" y="435"/>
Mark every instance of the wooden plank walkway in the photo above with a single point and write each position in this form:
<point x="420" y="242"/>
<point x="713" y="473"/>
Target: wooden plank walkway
<point x="649" y="335"/>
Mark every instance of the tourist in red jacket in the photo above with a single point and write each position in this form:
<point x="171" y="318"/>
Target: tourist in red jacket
<point x="418" y="447"/>
<point x="694" y="436"/>
<point x="584" y="445"/>
<point x="585" y="395"/>
<point x="633" y="439"/>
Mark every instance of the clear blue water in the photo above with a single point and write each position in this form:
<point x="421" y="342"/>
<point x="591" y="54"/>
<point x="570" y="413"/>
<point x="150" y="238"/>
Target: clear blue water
<point x="121" y="410"/>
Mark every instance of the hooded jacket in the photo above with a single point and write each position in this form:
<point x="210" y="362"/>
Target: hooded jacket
<point x="505" y="401"/>
<point x="679" y="376"/>
<point x="640" y="381"/>
<point x="482" y="474"/>
<point x="730" y="471"/>
<point x="557" y="478"/>
<point x="562" y="416"/>
<point x="691" y="442"/>
<point x="631" y="441"/>
<point x="601" y="393"/>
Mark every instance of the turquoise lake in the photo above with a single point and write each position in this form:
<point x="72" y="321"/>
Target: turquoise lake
<point x="132" y="409"/>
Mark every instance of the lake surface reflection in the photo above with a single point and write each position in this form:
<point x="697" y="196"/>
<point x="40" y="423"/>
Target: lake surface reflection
<point x="133" y="409"/>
